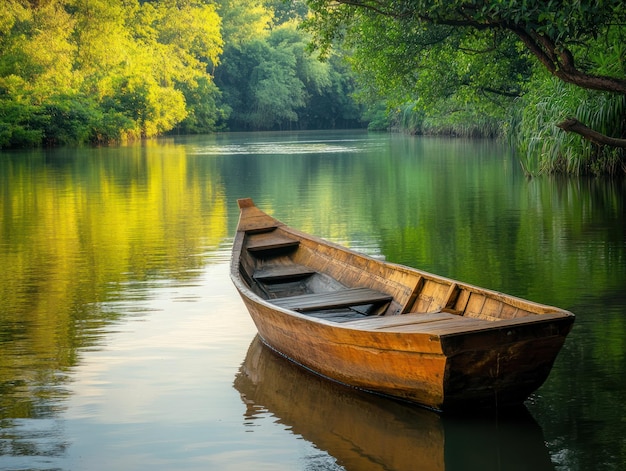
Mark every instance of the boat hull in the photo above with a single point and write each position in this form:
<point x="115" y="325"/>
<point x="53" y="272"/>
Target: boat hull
<point x="441" y="373"/>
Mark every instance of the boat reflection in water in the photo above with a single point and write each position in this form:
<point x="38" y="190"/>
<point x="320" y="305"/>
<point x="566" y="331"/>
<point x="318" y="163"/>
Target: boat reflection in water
<point x="363" y="431"/>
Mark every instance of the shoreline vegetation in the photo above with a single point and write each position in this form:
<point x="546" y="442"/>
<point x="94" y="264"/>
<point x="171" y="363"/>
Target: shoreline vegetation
<point x="104" y="72"/>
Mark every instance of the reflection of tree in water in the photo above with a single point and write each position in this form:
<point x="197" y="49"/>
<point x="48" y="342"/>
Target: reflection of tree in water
<point x="22" y="444"/>
<point x="86" y="236"/>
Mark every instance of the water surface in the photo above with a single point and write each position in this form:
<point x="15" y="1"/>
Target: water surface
<point x="123" y="344"/>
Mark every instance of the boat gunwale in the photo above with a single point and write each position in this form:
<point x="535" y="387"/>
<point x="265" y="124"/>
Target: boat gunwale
<point x="473" y="325"/>
<point x="543" y="314"/>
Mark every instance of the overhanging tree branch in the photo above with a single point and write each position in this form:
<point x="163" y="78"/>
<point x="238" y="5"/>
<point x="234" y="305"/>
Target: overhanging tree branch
<point x="554" y="55"/>
<point x="547" y="32"/>
<point x="575" y="126"/>
<point x="559" y="61"/>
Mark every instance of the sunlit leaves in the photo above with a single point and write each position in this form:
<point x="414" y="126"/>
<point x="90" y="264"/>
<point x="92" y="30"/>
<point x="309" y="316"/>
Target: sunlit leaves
<point x="35" y="45"/>
<point x="129" y="63"/>
<point x="188" y="31"/>
<point x="243" y="20"/>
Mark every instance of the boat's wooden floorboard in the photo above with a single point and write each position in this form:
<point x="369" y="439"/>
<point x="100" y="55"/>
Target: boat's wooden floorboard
<point x="380" y="322"/>
<point x="333" y="299"/>
<point x="437" y="328"/>
<point x="414" y="322"/>
<point x="281" y="273"/>
<point x="337" y="315"/>
<point x="269" y="241"/>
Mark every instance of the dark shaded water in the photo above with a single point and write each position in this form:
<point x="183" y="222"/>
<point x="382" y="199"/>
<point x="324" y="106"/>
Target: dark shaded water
<point x="123" y="344"/>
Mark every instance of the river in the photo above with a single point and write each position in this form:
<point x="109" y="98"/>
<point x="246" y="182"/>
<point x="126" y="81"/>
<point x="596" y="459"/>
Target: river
<point x="123" y="344"/>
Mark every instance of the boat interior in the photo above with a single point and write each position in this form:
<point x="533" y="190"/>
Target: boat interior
<point x="322" y="280"/>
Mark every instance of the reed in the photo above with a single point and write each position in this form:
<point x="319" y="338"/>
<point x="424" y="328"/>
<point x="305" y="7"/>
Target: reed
<point x="465" y="124"/>
<point x="407" y="118"/>
<point x="544" y="148"/>
<point x="458" y="123"/>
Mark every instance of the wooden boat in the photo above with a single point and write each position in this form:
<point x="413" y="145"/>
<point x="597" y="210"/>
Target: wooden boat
<point x="387" y="328"/>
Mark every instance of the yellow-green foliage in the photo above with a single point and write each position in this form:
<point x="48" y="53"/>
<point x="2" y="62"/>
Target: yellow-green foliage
<point x="102" y="70"/>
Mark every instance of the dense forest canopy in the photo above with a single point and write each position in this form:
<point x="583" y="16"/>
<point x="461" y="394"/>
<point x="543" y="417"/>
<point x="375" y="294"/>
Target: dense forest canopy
<point x="550" y="76"/>
<point x="74" y="71"/>
<point x="103" y="70"/>
<point x="555" y="64"/>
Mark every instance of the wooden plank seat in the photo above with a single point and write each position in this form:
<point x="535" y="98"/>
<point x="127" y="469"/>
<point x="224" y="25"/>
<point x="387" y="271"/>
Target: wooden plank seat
<point x="332" y="299"/>
<point x="382" y="322"/>
<point x="259" y="244"/>
<point x="282" y="273"/>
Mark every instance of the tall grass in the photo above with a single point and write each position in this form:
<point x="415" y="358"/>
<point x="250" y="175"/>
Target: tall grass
<point x="545" y="148"/>
<point x="407" y="119"/>
<point x="465" y="124"/>
<point x="458" y="123"/>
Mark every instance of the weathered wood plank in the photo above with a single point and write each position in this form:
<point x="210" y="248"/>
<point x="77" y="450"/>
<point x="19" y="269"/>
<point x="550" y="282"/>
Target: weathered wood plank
<point x="451" y="295"/>
<point x="432" y="296"/>
<point x="461" y="324"/>
<point x="337" y="315"/>
<point x="282" y="273"/>
<point x="511" y="312"/>
<point x="382" y="322"/>
<point x="492" y="308"/>
<point x="414" y="293"/>
<point x="270" y="241"/>
<point x="475" y="304"/>
<point x="461" y="300"/>
<point x="333" y="299"/>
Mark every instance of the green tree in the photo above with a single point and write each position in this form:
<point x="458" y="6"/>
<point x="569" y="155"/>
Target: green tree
<point x="333" y="105"/>
<point x="274" y="82"/>
<point x="180" y="43"/>
<point x="436" y="71"/>
<point x="206" y="110"/>
<point x="101" y="70"/>
<point x="268" y="76"/>
<point x="36" y="65"/>
<point x="244" y="20"/>
<point x="287" y="10"/>
<point x="263" y="86"/>
<point x="560" y="35"/>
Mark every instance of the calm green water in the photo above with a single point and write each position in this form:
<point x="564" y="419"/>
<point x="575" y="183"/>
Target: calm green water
<point x="123" y="344"/>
